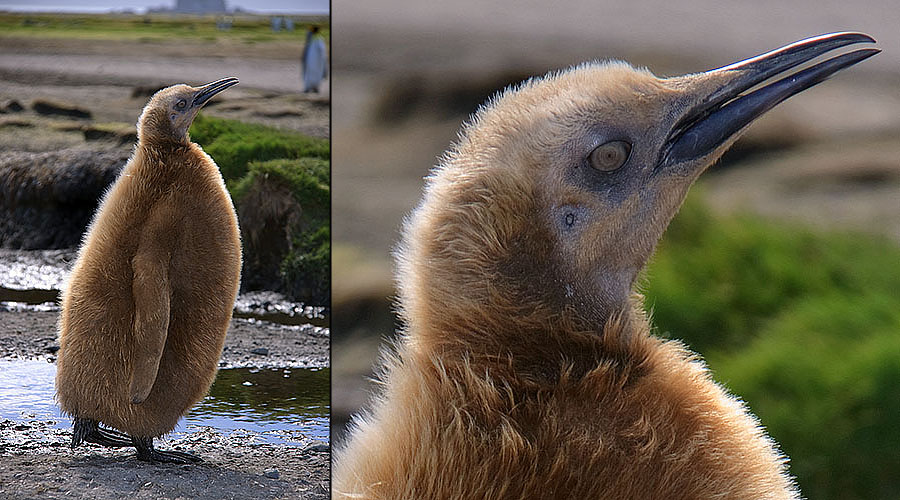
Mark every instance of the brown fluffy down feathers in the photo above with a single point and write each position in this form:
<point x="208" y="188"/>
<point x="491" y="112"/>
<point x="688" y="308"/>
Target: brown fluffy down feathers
<point x="160" y="263"/>
<point x="497" y="389"/>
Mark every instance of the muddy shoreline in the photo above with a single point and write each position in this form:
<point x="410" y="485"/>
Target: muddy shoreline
<point x="32" y="335"/>
<point x="39" y="463"/>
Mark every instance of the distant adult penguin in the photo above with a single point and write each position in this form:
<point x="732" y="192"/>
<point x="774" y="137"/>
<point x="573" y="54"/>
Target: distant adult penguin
<point x="149" y="300"/>
<point x="527" y="369"/>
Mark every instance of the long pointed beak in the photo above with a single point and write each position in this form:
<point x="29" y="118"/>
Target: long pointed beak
<point x="725" y="112"/>
<point x="206" y="92"/>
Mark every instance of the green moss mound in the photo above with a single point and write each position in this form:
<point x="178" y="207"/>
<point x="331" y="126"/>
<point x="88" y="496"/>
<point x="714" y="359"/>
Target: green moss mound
<point x="307" y="179"/>
<point x="235" y="144"/>
<point x="825" y="378"/>
<point x="307" y="267"/>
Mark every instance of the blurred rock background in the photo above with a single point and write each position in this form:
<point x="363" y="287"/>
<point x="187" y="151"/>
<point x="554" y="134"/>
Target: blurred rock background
<point x="783" y="269"/>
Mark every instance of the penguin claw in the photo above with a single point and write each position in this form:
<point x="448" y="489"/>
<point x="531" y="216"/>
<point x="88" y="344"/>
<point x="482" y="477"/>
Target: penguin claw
<point x="89" y="431"/>
<point x="170" y="457"/>
<point x="146" y="453"/>
<point x="110" y="437"/>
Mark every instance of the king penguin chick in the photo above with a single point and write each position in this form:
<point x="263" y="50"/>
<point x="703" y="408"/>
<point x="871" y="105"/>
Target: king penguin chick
<point x="150" y="297"/>
<point x="527" y="368"/>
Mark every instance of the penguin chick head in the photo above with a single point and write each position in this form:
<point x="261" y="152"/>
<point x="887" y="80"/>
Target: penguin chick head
<point x="169" y="113"/>
<point x="558" y="190"/>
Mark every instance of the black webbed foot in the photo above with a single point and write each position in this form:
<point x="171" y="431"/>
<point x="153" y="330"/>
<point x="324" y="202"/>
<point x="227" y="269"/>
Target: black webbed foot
<point x="147" y="453"/>
<point x="89" y="431"/>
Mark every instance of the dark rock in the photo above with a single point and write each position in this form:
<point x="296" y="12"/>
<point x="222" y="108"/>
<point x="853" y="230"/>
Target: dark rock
<point x="52" y="349"/>
<point x="11" y="106"/>
<point x="279" y="113"/>
<point x="48" y="199"/>
<point x="124" y="136"/>
<point x="262" y="351"/>
<point x="145" y="90"/>
<point x="44" y="107"/>
<point x="271" y="473"/>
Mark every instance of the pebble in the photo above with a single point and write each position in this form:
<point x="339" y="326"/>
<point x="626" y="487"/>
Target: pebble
<point x="271" y="473"/>
<point x="318" y="447"/>
<point x="11" y="106"/>
<point x="262" y="351"/>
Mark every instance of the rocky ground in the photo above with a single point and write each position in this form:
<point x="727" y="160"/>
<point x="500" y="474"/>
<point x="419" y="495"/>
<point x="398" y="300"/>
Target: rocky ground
<point x="41" y="465"/>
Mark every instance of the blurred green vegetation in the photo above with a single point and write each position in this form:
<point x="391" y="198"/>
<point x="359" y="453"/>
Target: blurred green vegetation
<point x="287" y="238"/>
<point x="802" y="325"/>
<point x="152" y="27"/>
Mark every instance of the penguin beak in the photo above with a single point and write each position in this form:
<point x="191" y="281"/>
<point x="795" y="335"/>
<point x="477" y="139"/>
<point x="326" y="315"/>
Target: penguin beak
<point x="707" y="125"/>
<point x="206" y="92"/>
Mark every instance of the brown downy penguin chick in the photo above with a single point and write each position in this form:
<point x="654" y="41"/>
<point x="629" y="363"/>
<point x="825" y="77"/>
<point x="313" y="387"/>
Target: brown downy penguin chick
<point x="150" y="297"/>
<point x="527" y="369"/>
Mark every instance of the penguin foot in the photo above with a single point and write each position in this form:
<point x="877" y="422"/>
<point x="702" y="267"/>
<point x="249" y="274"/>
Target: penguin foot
<point x="89" y="431"/>
<point x="147" y="453"/>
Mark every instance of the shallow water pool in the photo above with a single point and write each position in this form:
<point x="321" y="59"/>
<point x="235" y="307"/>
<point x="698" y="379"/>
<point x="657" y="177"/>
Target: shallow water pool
<point x="285" y="406"/>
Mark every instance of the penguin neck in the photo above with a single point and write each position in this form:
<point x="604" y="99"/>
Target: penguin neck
<point x="538" y="338"/>
<point x="162" y="160"/>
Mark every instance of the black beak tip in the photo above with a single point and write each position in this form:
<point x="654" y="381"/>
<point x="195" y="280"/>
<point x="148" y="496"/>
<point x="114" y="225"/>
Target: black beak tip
<point x="206" y="92"/>
<point x="727" y="110"/>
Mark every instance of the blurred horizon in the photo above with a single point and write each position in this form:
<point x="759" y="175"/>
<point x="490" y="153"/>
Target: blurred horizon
<point x="301" y="7"/>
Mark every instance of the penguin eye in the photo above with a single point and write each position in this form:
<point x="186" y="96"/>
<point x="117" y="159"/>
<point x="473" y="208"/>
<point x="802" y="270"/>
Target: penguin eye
<point x="180" y="104"/>
<point x="610" y="156"/>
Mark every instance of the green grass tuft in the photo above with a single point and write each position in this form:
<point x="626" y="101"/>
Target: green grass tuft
<point x="307" y="179"/>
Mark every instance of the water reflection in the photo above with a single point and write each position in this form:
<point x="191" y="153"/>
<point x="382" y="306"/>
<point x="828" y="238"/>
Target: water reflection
<point x="288" y="406"/>
<point x="277" y="403"/>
